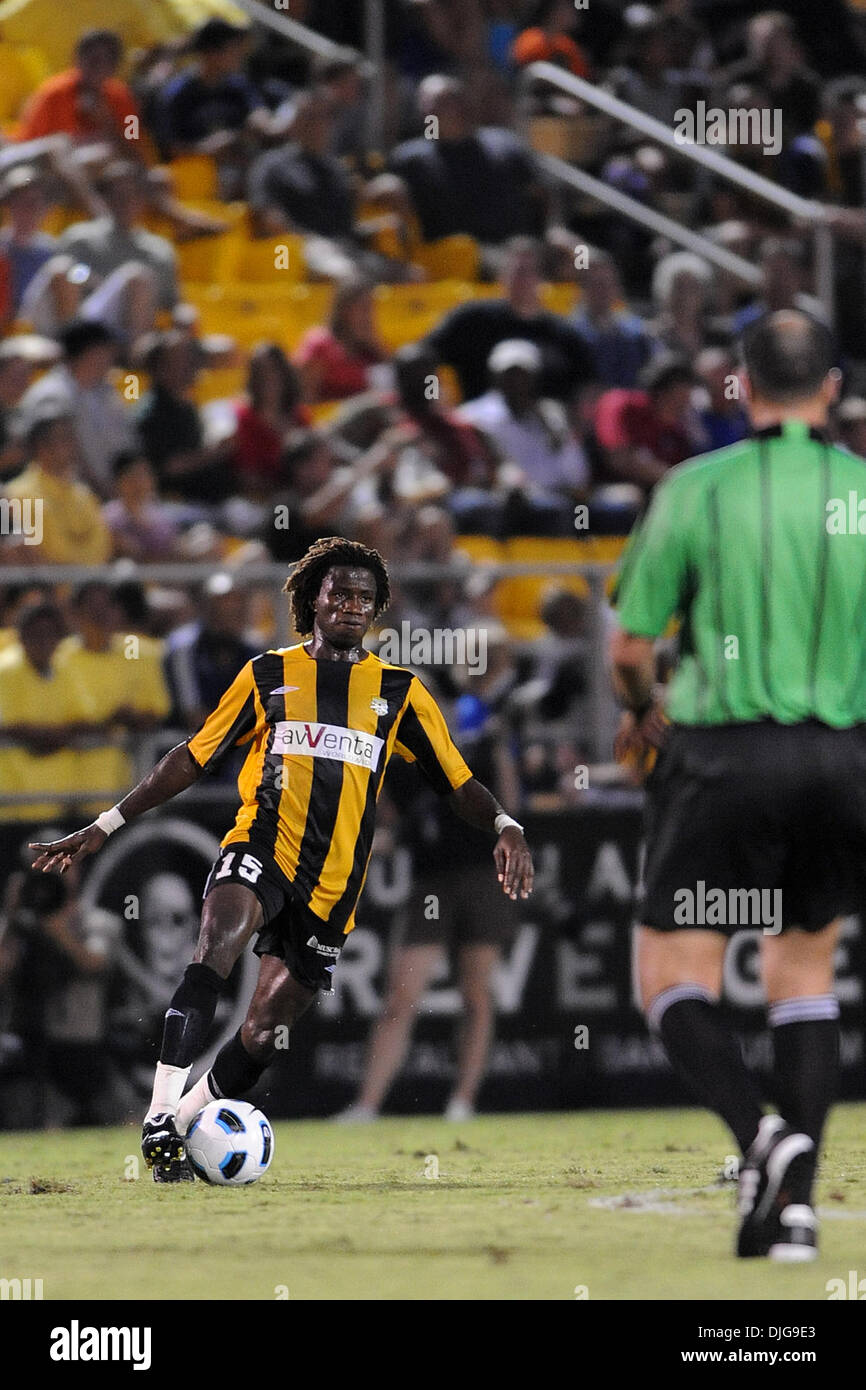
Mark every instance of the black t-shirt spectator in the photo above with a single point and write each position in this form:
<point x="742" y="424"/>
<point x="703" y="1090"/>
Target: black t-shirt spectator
<point x="168" y="427"/>
<point x="190" y="110"/>
<point x="313" y="191"/>
<point x="484" y="186"/>
<point x="466" y="337"/>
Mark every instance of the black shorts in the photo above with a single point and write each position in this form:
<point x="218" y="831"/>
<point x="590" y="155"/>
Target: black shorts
<point x="290" y="931"/>
<point x="458" y="907"/>
<point x="756" y="825"/>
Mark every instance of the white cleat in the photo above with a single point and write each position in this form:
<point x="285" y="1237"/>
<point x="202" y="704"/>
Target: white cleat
<point x="459" y="1110"/>
<point x="356" y="1115"/>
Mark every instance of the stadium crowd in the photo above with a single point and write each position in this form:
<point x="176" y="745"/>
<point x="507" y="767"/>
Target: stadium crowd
<point x="232" y="325"/>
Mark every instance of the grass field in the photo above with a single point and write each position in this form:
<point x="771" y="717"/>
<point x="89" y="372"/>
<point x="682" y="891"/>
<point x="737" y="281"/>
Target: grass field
<point x="347" y="1213"/>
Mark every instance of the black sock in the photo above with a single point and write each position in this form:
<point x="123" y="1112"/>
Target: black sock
<point x="705" y="1053"/>
<point x="190" y="1015"/>
<point x="234" y="1071"/>
<point x="805" y="1035"/>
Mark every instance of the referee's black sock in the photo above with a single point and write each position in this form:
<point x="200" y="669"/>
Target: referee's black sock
<point x="705" y="1053"/>
<point x="805" y="1034"/>
<point x="234" y="1071"/>
<point x="190" y="1015"/>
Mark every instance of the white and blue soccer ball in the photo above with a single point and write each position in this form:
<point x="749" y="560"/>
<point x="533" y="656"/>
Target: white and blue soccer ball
<point x="230" y="1143"/>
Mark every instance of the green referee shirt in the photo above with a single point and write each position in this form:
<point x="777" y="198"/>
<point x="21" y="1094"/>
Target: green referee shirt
<point x="760" y="549"/>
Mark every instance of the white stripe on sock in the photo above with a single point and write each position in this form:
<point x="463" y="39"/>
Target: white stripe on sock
<point x="806" y="1008"/>
<point x="662" y="1002"/>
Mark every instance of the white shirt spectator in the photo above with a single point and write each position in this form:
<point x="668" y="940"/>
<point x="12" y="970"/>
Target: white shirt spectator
<point x="540" y="442"/>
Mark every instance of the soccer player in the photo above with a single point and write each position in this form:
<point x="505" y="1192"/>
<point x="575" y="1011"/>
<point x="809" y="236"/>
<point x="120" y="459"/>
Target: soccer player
<point x="757" y="802"/>
<point x="321" y="720"/>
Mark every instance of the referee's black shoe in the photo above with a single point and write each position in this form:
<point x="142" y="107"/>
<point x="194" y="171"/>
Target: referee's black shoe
<point x="164" y="1151"/>
<point x="772" y="1167"/>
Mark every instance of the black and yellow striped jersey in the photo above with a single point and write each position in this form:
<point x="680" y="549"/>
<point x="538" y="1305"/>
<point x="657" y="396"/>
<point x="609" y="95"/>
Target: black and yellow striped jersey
<point x="321" y="735"/>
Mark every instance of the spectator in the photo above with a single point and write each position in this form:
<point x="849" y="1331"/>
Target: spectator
<point x="210" y="109"/>
<point x="124" y="682"/>
<point x="467" y="335"/>
<point x="340" y="80"/>
<point x="648" y="80"/>
<point x="142" y="528"/>
<point x="79" y="387"/>
<point x="453" y="449"/>
<point x="299" y="186"/>
<point x="117" y="245"/>
<point x="548" y="39"/>
<point x="723" y="419"/>
<point x="22" y="196"/>
<point x="170" y="426"/>
<point x="851" y="415"/>
<point x="643" y="433"/>
<point x="69" y="519"/>
<point x="480" y="181"/>
<point x="776" y="61"/>
<point x="617" y="339"/>
<point x="270" y="411"/>
<point x="533" y="434"/>
<point x="782" y="263"/>
<point x="339" y="360"/>
<point x="202" y="658"/>
<point x="681" y="289"/>
<point x="88" y="101"/>
<point x="20" y="356"/>
<point x="41" y="711"/>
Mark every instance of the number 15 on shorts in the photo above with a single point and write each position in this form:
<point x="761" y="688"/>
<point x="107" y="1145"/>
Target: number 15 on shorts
<point x="249" y="867"/>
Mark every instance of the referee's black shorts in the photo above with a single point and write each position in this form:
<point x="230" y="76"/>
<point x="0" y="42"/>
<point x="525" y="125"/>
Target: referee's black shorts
<point x="756" y="825"/>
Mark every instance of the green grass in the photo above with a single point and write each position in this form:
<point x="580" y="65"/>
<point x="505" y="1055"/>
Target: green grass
<point x="347" y="1213"/>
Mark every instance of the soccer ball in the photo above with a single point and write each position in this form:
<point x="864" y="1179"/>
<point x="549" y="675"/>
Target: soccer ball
<point x="230" y="1143"/>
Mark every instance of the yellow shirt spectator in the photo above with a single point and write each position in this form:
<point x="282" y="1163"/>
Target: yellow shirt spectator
<point x="126" y="676"/>
<point x="29" y="698"/>
<point x="72" y="529"/>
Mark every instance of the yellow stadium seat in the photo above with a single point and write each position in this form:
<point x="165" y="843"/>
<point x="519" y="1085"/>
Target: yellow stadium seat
<point x="195" y="176"/>
<point x="271" y="259"/>
<point x="220" y="383"/>
<point x="449" y="258"/>
<point x="21" y="71"/>
<point x="519" y="599"/>
<point x="323" y="411"/>
<point x="214" y="259"/>
<point x="252" y="313"/>
<point x="481" y="549"/>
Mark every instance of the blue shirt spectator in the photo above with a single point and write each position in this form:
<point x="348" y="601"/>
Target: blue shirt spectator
<point x="618" y="341"/>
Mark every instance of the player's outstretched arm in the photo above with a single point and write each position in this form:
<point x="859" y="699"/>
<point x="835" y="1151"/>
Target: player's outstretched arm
<point x="172" y="774"/>
<point x="479" y="807"/>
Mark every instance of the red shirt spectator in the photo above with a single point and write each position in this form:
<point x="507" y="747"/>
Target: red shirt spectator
<point x="335" y="360"/>
<point x="270" y="412"/>
<point x="644" y="433"/>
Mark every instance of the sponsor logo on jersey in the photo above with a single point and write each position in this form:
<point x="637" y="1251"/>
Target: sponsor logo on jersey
<point x="321" y="949"/>
<point x="294" y="738"/>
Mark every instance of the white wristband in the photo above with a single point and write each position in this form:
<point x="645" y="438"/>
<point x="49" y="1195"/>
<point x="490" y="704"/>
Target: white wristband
<point x="503" y="820"/>
<point x="109" y="821"/>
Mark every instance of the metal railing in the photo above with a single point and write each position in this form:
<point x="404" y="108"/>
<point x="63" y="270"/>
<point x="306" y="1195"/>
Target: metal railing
<point x="807" y="210"/>
<point x="600" y="709"/>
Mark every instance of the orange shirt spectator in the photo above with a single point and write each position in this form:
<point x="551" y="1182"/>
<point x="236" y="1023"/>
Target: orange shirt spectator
<point x="88" y="101"/>
<point x="534" y="46"/>
<point x="59" y="106"/>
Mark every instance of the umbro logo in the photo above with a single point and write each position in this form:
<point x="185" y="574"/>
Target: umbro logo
<point x="285" y="689"/>
<point x="378" y="706"/>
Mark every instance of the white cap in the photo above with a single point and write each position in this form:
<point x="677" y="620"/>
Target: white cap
<point x="514" y="352"/>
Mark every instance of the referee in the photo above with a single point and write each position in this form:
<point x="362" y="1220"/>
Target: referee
<point x="756" y="806"/>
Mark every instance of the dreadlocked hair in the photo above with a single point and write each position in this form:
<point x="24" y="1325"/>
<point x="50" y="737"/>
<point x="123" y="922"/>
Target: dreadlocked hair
<point x="305" y="581"/>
